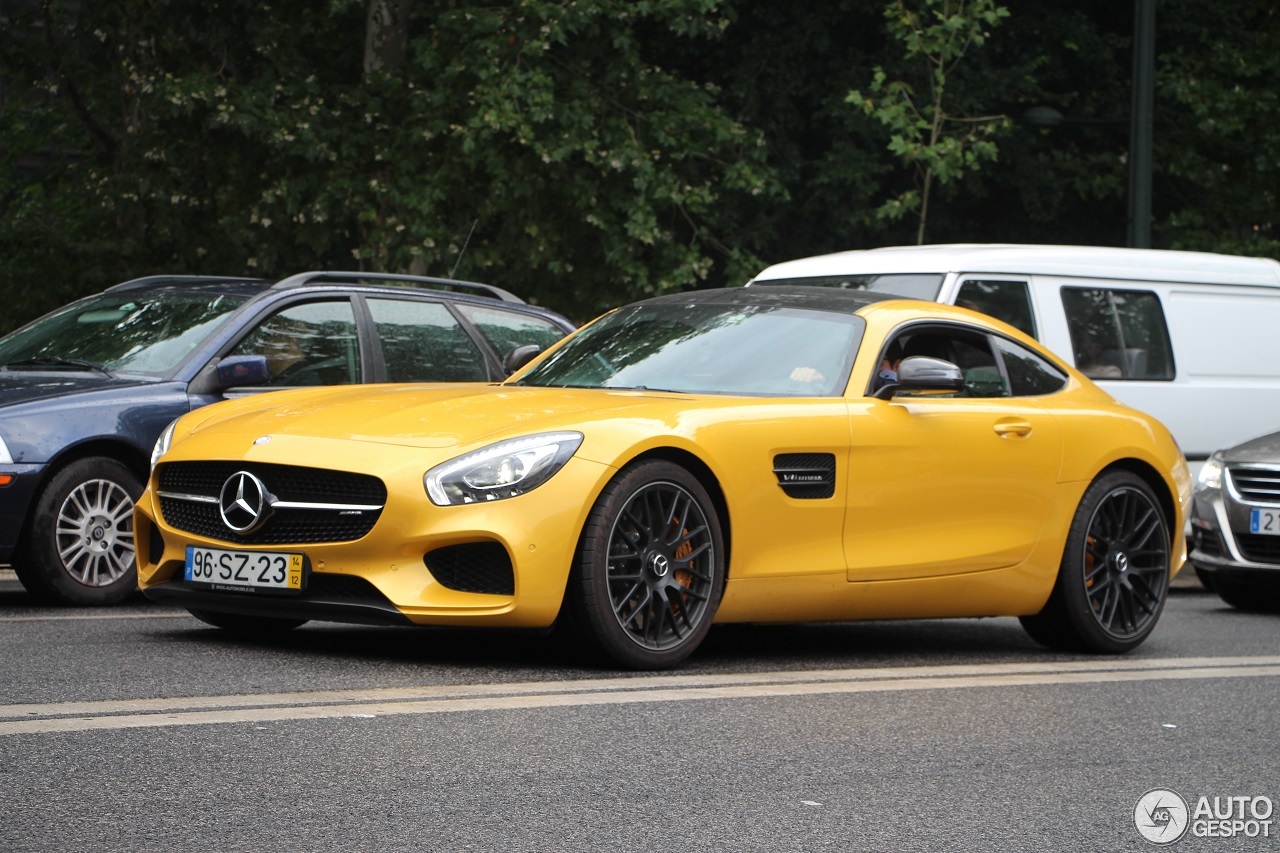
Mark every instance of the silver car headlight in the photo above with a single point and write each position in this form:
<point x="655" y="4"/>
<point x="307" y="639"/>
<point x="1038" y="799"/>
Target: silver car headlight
<point x="162" y="444"/>
<point x="1210" y="476"/>
<point x="502" y="470"/>
<point x="6" y="458"/>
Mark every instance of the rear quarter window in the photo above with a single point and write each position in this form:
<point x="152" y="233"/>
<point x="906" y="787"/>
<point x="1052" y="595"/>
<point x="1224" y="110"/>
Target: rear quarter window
<point x="1029" y="374"/>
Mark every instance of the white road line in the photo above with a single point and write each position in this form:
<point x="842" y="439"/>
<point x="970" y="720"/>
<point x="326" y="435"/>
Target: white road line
<point x="205" y="710"/>
<point x="63" y="617"/>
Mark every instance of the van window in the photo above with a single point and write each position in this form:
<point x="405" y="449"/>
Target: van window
<point x="1009" y="301"/>
<point x="1118" y="334"/>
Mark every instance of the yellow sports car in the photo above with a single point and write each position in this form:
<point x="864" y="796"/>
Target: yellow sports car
<point x="737" y="455"/>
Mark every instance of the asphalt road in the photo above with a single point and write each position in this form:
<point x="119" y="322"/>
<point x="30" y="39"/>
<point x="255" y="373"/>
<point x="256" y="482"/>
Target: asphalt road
<point x="137" y="728"/>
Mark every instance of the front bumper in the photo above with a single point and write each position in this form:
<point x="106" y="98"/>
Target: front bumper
<point x="1221" y="544"/>
<point x="498" y="563"/>
<point x="15" y="504"/>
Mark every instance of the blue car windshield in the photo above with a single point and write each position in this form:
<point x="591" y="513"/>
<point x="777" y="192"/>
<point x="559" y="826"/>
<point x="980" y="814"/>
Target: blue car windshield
<point x="752" y="350"/>
<point x="144" y="333"/>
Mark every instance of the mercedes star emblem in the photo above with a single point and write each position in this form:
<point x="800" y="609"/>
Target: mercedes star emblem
<point x="244" y="502"/>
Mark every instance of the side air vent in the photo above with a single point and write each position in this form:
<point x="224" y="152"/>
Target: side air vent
<point x="476" y="567"/>
<point x="809" y="476"/>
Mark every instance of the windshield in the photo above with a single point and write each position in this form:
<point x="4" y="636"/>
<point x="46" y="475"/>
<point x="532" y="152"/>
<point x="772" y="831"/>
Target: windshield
<point x="709" y="349"/>
<point x="148" y="333"/>
<point x="914" y="285"/>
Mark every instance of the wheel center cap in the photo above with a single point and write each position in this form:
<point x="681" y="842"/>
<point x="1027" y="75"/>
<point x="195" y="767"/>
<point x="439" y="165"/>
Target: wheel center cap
<point x="659" y="565"/>
<point x="1120" y="561"/>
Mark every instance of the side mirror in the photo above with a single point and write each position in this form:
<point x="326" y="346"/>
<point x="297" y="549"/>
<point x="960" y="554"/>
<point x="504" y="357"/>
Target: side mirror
<point x="519" y="357"/>
<point x="922" y="373"/>
<point x="243" y="370"/>
<point x="925" y="374"/>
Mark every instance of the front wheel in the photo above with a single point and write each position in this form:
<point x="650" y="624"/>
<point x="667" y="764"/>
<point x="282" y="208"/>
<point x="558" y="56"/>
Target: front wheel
<point x="650" y="569"/>
<point x="1114" y="575"/>
<point x="78" y="548"/>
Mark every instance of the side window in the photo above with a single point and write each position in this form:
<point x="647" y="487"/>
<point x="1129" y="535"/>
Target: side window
<point x="1009" y="301"/>
<point x="423" y="342"/>
<point x="313" y="343"/>
<point x="1118" y="334"/>
<point x="1029" y="374"/>
<point x="506" y="330"/>
<point x="969" y="350"/>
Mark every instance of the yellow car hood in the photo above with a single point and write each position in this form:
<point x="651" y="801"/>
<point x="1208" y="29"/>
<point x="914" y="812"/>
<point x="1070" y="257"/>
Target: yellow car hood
<point x="422" y="416"/>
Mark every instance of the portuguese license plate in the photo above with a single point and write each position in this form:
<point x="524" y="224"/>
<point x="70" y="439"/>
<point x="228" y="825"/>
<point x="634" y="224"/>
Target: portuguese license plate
<point x="253" y="569"/>
<point x="1265" y="521"/>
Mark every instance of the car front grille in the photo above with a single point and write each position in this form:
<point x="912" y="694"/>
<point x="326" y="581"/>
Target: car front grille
<point x="1259" y="549"/>
<point x="189" y="495"/>
<point x="1256" y="485"/>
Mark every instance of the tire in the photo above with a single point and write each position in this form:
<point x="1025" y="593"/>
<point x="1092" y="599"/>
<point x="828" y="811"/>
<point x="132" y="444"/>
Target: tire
<point x="78" y="547"/>
<point x="650" y="568"/>
<point x="242" y="624"/>
<point x="1114" y="576"/>
<point x="1249" y="597"/>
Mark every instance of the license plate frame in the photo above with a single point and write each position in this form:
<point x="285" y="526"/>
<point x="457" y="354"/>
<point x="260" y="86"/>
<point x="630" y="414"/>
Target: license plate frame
<point x="1264" y="522"/>
<point x="245" y="570"/>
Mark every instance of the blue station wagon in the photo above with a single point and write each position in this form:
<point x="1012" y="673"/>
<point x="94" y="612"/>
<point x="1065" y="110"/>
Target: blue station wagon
<point x="86" y="390"/>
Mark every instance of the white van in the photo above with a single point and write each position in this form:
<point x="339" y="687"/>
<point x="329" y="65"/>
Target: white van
<point x="1190" y="337"/>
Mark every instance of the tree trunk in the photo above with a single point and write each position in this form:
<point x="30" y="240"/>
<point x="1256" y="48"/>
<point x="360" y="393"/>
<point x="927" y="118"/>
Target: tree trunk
<point x="386" y="38"/>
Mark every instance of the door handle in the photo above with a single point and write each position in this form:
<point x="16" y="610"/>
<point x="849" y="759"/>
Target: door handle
<point x="1012" y="428"/>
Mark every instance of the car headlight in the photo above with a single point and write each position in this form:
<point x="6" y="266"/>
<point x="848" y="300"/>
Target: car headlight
<point x="502" y="470"/>
<point x="1210" y="476"/>
<point x="6" y="458"/>
<point x="162" y="444"/>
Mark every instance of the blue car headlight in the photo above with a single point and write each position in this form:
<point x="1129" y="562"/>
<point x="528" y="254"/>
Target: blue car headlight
<point x="162" y="444"/>
<point x="6" y="458"/>
<point x="502" y="470"/>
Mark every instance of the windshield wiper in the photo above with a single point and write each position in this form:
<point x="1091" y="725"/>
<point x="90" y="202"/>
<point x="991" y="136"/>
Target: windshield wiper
<point x="48" y="361"/>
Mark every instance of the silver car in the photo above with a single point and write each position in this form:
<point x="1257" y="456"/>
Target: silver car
<point x="1235" y="524"/>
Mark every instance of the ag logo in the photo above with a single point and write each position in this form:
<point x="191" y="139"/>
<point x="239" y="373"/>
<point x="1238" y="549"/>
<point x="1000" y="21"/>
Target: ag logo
<point x="1161" y="816"/>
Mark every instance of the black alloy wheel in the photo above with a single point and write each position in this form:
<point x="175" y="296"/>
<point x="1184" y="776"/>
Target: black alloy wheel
<point x="650" y="569"/>
<point x="1114" y="577"/>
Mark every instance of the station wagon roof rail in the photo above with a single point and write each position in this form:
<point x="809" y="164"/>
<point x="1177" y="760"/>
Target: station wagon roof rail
<point x="154" y="280"/>
<point x="311" y="278"/>
<point x="1079" y="261"/>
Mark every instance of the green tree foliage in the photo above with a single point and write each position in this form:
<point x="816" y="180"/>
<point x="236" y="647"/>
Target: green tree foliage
<point x="233" y="136"/>
<point x="925" y="131"/>
<point x="588" y="152"/>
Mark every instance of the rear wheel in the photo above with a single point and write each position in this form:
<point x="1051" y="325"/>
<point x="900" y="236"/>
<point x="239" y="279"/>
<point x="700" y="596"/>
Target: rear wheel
<point x="78" y="548"/>
<point x="242" y="624"/>
<point x="1114" y="575"/>
<point x="651" y="568"/>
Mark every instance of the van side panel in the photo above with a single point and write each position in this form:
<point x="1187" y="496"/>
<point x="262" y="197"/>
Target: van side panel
<point x="1226" y="334"/>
